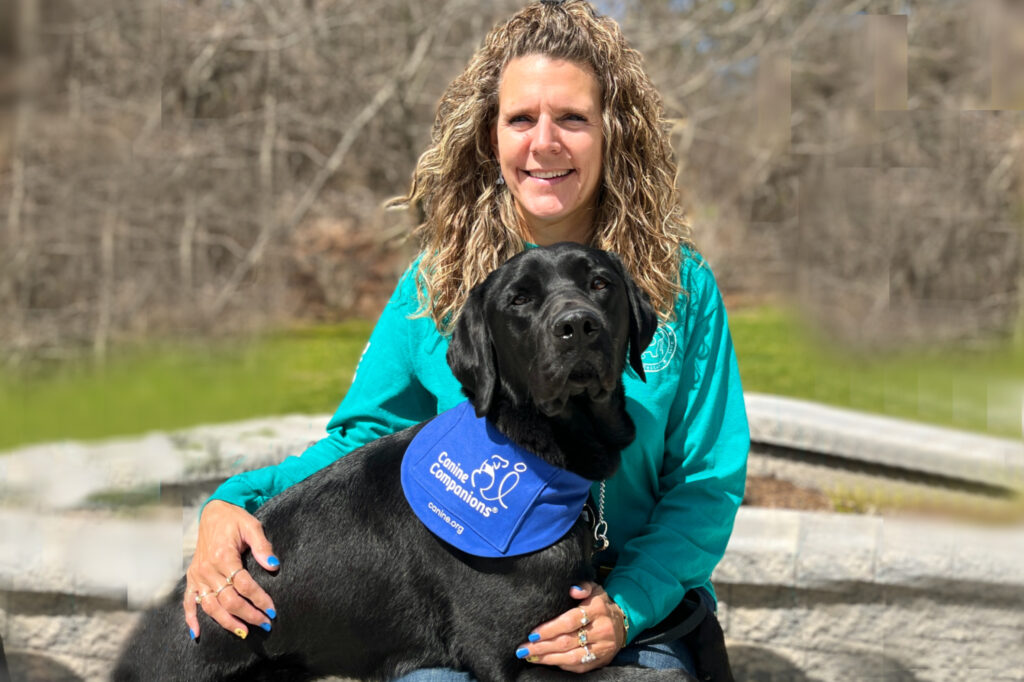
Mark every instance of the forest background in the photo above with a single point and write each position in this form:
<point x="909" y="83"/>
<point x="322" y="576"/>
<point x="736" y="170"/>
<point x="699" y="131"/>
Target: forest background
<point x="174" y="171"/>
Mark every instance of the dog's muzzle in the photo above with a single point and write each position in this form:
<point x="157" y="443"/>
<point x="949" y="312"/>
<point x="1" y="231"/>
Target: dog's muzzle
<point x="578" y="360"/>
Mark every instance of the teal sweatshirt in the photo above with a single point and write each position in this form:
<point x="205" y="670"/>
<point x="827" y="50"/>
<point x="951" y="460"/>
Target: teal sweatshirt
<point x="671" y="505"/>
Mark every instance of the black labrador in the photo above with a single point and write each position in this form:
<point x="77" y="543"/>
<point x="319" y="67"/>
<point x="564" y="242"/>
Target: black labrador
<point x="367" y="591"/>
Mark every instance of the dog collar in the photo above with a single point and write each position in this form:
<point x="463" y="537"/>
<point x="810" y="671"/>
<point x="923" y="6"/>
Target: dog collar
<point x="483" y="494"/>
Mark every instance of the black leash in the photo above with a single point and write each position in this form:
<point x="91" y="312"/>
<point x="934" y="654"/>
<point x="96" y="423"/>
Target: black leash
<point x="5" y="675"/>
<point x="683" y="620"/>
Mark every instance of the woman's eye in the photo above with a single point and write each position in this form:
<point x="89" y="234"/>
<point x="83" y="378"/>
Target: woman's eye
<point x="520" y="299"/>
<point x="598" y="283"/>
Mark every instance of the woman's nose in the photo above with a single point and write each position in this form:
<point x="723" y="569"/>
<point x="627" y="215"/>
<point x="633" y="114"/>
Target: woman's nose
<point x="546" y="139"/>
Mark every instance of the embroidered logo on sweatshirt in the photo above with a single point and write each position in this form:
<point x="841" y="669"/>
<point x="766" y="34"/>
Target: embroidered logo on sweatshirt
<point x="662" y="349"/>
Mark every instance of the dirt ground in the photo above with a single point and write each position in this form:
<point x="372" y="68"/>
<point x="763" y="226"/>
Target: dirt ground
<point x="767" y="491"/>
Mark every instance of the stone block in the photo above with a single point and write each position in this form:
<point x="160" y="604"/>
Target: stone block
<point x="799" y="424"/>
<point x="87" y="468"/>
<point x="90" y="634"/>
<point x="766" y="623"/>
<point x="913" y="553"/>
<point x="83" y="555"/>
<point x="836" y="548"/>
<point x="44" y="666"/>
<point x="993" y="555"/>
<point x="762" y="550"/>
<point x="754" y="661"/>
<point x="854" y="662"/>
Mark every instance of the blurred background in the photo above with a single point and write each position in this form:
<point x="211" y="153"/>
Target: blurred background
<point x="191" y="221"/>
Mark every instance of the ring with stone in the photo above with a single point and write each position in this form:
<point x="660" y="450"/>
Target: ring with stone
<point x="581" y="635"/>
<point x="588" y="656"/>
<point x="201" y="596"/>
<point x="584" y="620"/>
<point x="231" y="578"/>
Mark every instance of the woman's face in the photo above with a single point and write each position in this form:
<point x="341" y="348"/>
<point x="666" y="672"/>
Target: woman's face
<point x="548" y="141"/>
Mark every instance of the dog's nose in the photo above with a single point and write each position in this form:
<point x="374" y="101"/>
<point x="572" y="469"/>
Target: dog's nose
<point x="576" y="326"/>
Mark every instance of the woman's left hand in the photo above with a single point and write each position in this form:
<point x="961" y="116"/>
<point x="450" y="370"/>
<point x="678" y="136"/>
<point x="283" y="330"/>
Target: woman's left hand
<point x="574" y="645"/>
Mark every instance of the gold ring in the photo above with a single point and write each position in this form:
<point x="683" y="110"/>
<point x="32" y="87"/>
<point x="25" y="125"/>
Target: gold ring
<point x="222" y="588"/>
<point x="201" y="597"/>
<point x="581" y="635"/>
<point x="584" y="620"/>
<point x="235" y="572"/>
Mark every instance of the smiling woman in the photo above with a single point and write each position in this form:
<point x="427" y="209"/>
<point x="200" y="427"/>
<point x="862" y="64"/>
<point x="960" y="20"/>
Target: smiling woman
<point x="553" y="132"/>
<point x="548" y="139"/>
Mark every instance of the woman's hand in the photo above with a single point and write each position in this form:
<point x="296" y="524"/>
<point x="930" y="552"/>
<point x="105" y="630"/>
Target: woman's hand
<point x="228" y="593"/>
<point x="574" y="645"/>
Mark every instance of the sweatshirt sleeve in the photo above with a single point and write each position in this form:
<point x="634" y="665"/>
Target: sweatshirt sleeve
<point x="385" y="397"/>
<point x="703" y="475"/>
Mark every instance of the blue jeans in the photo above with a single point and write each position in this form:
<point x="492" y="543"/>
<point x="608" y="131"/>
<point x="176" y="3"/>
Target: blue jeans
<point x="666" y="656"/>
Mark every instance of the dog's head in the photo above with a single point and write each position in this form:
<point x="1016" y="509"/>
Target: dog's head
<point x="550" y="325"/>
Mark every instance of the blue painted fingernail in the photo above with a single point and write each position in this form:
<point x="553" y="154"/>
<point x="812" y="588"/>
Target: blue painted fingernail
<point x="272" y="613"/>
<point x="273" y="561"/>
<point x="266" y="627"/>
<point x="534" y="637"/>
<point x="522" y="653"/>
<point x="577" y="588"/>
<point x="191" y="634"/>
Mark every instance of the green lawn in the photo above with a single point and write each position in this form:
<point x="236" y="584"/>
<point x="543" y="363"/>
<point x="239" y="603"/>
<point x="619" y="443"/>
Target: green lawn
<point x="976" y="389"/>
<point x="170" y="386"/>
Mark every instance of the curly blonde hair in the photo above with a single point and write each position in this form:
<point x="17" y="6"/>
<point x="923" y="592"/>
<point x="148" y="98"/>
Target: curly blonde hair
<point x="470" y="224"/>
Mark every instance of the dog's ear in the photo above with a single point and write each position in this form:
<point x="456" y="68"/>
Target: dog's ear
<point x="471" y="353"/>
<point x="643" y="321"/>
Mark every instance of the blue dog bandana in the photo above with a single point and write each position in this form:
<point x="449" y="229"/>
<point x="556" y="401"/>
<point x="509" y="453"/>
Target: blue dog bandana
<point x="485" y="495"/>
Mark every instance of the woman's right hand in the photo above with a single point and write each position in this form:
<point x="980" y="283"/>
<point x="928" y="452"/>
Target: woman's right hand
<point x="233" y="598"/>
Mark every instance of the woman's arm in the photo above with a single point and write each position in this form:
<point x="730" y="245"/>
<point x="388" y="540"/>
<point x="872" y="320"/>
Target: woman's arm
<point x="704" y="470"/>
<point x="701" y="486"/>
<point x="384" y="397"/>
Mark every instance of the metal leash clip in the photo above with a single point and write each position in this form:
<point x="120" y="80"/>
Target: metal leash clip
<point x="601" y="529"/>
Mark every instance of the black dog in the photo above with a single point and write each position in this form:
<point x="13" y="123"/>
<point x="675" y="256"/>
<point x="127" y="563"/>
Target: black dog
<point x="368" y="592"/>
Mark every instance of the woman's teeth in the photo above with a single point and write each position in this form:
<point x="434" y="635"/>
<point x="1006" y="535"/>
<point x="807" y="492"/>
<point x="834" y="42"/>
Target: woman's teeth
<point x="547" y="175"/>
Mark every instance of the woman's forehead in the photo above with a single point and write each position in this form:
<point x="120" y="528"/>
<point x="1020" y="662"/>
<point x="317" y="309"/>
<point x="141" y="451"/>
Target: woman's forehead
<point x="539" y="76"/>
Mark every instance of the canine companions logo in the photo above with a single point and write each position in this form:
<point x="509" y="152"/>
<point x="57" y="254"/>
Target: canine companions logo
<point x="488" y="473"/>
<point x="478" y="491"/>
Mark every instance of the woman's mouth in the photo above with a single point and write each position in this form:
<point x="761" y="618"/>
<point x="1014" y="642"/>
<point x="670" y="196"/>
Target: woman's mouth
<point x="548" y="175"/>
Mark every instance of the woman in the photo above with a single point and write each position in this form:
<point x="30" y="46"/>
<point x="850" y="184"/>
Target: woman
<point x="553" y="133"/>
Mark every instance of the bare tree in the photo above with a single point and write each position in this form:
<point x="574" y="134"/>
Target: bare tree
<point x="854" y="153"/>
<point x="176" y="166"/>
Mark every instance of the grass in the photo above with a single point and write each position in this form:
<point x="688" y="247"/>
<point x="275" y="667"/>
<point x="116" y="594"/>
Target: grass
<point x="975" y="389"/>
<point x="174" y="385"/>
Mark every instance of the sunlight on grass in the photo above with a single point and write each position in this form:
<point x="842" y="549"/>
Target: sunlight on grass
<point x="979" y="390"/>
<point x="308" y="370"/>
<point x="170" y="386"/>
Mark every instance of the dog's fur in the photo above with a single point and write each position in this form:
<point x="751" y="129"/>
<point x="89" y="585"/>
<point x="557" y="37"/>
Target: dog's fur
<point x="365" y="590"/>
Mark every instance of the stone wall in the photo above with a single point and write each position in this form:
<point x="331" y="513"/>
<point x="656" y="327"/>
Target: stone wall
<point x="91" y="533"/>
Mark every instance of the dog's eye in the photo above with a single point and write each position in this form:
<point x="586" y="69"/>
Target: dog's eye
<point x="520" y="299"/>
<point x="598" y="283"/>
